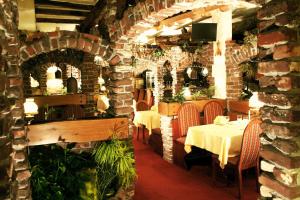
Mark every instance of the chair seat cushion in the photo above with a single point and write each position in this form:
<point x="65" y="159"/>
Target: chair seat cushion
<point x="181" y="140"/>
<point x="233" y="160"/>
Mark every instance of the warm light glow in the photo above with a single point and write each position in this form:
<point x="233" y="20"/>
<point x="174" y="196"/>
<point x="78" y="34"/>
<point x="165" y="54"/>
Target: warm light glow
<point x="187" y="93"/>
<point x="166" y="30"/>
<point x="30" y="107"/>
<point x="205" y="71"/>
<point x="143" y="39"/>
<point x="98" y="60"/>
<point x="54" y="85"/>
<point x="103" y="88"/>
<point x="150" y="32"/>
<point x="33" y="82"/>
<point x="101" y="81"/>
<point x="254" y="102"/>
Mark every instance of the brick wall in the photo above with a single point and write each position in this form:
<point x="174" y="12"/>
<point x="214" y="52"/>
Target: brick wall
<point x="14" y="174"/>
<point x="280" y="68"/>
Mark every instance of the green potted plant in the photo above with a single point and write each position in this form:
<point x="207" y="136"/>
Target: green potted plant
<point x="170" y="105"/>
<point x="115" y="166"/>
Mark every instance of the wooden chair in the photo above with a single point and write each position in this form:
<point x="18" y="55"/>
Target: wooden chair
<point x="211" y="110"/>
<point x="141" y="106"/>
<point x="249" y="156"/>
<point x="188" y="115"/>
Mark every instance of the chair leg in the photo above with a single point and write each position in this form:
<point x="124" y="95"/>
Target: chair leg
<point x="138" y="133"/>
<point x="214" y="170"/>
<point x="143" y="133"/>
<point x="257" y="175"/>
<point x="240" y="182"/>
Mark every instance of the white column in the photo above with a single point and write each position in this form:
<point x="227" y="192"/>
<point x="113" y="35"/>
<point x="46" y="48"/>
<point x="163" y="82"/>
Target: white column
<point x="224" y="33"/>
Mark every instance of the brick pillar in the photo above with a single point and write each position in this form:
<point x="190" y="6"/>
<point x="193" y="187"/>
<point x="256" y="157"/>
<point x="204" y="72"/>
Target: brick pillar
<point x="11" y="109"/>
<point x="279" y="56"/>
<point x="89" y="78"/>
<point x="120" y="90"/>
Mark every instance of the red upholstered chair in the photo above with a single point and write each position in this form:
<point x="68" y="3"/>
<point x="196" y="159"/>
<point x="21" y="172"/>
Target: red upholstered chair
<point x="141" y="106"/>
<point x="249" y="156"/>
<point x="188" y="115"/>
<point x="211" y="110"/>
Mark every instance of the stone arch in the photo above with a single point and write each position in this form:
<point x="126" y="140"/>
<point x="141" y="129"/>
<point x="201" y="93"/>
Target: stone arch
<point x="144" y="15"/>
<point x="51" y="41"/>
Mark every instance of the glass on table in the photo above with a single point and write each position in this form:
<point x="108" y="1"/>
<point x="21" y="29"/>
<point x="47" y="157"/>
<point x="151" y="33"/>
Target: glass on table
<point x="239" y="117"/>
<point x="227" y="118"/>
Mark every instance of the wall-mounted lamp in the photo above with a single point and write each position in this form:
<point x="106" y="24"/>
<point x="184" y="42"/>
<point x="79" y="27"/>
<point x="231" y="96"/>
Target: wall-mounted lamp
<point x="30" y="109"/>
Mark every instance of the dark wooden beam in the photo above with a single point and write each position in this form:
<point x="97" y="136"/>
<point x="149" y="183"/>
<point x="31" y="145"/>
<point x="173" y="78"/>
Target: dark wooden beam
<point x="64" y="4"/>
<point x="63" y="21"/>
<point x="91" y="19"/>
<point x="52" y="11"/>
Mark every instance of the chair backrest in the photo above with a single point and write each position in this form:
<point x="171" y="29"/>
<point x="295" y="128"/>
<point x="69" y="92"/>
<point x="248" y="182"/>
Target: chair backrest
<point x="211" y="110"/>
<point x="188" y="115"/>
<point x="250" y="145"/>
<point x="141" y="95"/>
<point x="142" y="105"/>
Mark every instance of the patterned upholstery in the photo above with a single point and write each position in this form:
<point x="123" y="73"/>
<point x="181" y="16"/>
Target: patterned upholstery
<point x="188" y="115"/>
<point x="211" y="110"/>
<point x="250" y="145"/>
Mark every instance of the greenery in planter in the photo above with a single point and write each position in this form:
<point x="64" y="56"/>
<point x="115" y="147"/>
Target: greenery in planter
<point x="178" y="97"/>
<point x="249" y="70"/>
<point x="55" y="170"/>
<point x="205" y="92"/>
<point x="115" y="166"/>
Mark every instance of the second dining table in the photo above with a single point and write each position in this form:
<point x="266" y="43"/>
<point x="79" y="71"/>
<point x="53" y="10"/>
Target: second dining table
<point x="223" y="140"/>
<point x="149" y="118"/>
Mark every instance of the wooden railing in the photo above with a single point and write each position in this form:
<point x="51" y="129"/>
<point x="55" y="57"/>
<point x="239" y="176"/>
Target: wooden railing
<point x="77" y="131"/>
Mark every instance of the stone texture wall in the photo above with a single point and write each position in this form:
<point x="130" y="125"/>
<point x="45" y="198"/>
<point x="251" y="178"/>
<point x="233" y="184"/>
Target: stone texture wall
<point x="280" y="68"/>
<point x="14" y="174"/>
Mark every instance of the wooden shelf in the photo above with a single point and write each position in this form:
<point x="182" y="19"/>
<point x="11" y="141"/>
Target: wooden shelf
<point x="59" y="100"/>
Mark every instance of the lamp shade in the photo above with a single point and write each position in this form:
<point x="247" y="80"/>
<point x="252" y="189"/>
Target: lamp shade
<point x="30" y="107"/>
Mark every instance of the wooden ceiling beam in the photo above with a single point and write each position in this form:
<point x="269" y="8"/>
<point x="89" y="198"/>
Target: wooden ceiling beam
<point x="91" y="19"/>
<point x="64" y="4"/>
<point x="193" y="15"/>
<point x="61" y="21"/>
<point x="60" y="12"/>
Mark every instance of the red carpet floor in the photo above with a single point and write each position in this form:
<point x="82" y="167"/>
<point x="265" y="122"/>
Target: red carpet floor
<point x="160" y="180"/>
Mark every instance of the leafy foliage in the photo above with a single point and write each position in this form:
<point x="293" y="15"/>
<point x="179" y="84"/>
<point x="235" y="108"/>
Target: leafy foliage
<point x="249" y="71"/>
<point x="250" y="38"/>
<point x="56" y="170"/>
<point x="178" y="97"/>
<point x="205" y="92"/>
<point x="115" y="166"/>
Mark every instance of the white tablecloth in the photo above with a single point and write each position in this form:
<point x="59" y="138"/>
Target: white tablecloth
<point x="150" y="119"/>
<point x="223" y="140"/>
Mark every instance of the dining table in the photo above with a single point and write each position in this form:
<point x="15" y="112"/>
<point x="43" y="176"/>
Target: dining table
<point x="149" y="118"/>
<point x="223" y="140"/>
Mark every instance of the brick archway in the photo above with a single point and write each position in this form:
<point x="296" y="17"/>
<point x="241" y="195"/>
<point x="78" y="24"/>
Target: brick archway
<point x="146" y="14"/>
<point x="51" y="41"/>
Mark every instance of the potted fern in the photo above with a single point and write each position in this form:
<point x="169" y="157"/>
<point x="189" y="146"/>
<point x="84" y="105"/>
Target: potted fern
<point x="115" y="166"/>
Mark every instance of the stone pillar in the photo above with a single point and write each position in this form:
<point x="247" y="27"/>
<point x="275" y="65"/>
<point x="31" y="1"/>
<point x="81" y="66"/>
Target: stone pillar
<point x="279" y="64"/>
<point x="167" y="137"/>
